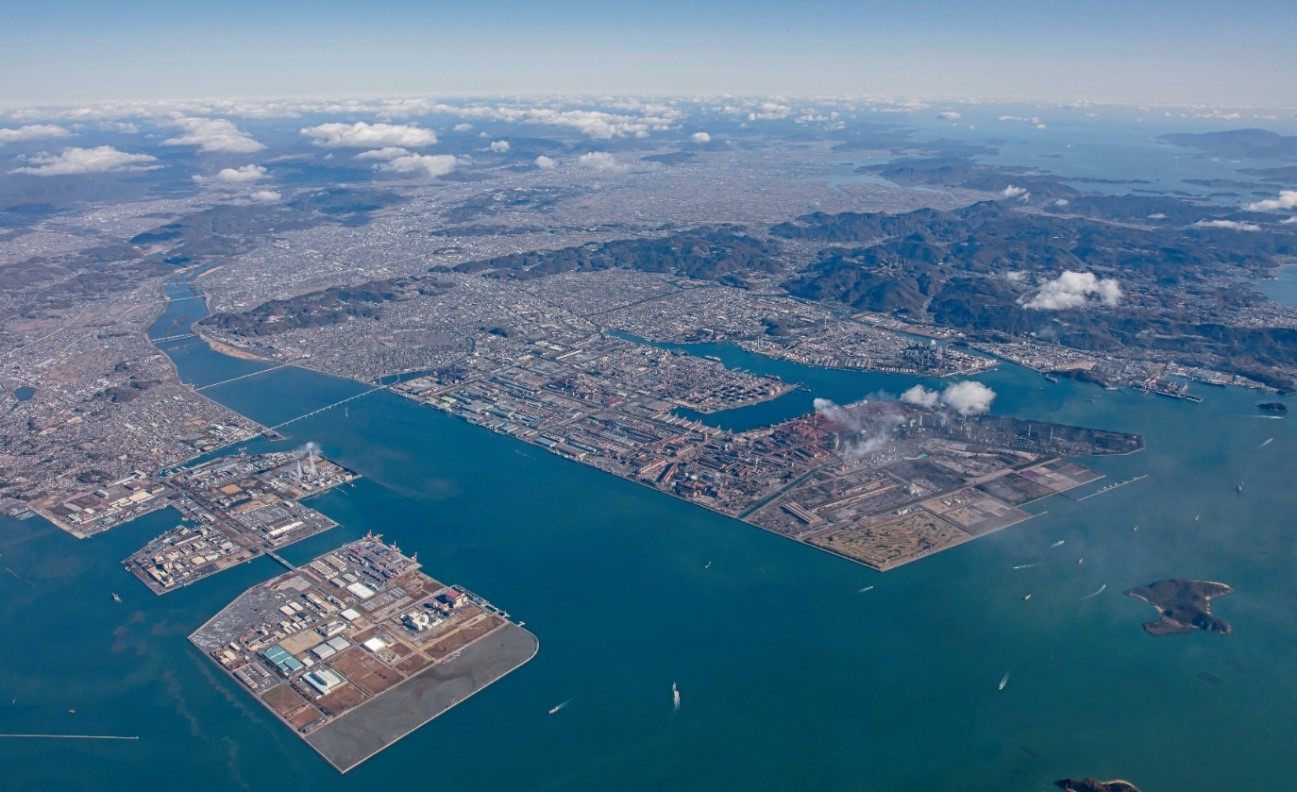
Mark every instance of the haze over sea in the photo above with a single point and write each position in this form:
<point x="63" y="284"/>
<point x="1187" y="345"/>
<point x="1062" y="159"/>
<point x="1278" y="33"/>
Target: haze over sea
<point x="790" y="677"/>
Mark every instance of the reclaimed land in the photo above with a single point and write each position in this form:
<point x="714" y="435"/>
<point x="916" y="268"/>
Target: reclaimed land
<point x="371" y="727"/>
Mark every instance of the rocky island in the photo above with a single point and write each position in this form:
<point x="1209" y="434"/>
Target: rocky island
<point x="1095" y="785"/>
<point x="1185" y="605"/>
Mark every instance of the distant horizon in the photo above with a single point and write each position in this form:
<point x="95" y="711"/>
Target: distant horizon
<point x="1196" y="53"/>
<point x="592" y="97"/>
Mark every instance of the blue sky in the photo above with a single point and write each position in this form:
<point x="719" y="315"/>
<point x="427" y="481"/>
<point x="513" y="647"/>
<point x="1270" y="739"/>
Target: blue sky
<point x="1133" y="50"/>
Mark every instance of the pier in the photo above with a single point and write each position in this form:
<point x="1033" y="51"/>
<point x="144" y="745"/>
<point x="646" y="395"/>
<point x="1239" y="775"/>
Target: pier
<point x="67" y="737"/>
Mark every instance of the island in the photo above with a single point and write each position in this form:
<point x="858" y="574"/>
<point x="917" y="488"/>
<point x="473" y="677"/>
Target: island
<point x="1185" y="605"/>
<point x="1095" y="785"/>
<point x="1279" y="408"/>
<point x="358" y="648"/>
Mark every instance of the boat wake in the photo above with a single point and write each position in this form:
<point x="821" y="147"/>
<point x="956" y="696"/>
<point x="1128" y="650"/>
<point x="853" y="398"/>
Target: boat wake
<point x="1005" y="680"/>
<point x="1100" y="590"/>
<point x="1267" y="442"/>
<point x="1029" y="566"/>
<point x="555" y="710"/>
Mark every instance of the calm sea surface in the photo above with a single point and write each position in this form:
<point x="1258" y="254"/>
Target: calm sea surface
<point x="789" y="678"/>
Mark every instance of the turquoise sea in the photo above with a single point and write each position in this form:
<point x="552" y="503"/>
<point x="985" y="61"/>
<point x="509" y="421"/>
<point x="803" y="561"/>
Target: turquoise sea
<point x="790" y="678"/>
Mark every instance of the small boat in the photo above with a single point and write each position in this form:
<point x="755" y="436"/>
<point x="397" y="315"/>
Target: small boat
<point x="1005" y="680"/>
<point x="1239" y="488"/>
<point x="866" y="588"/>
<point x="554" y="710"/>
<point x="675" y="695"/>
<point x="116" y="597"/>
<point x="1027" y="598"/>
<point x="707" y="565"/>
<point x="1059" y="543"/>
<point x="71" y="711"/>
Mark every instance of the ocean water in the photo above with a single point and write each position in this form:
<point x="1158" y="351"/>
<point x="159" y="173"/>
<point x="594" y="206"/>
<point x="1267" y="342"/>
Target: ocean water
<point x="789" y="678"/>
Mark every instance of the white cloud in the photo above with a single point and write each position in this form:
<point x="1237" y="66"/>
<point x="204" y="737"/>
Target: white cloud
<point x="950" y="115"/>
<point x="213" y="134"/>
<point x="1157" y="216"/>
<point x="921" y="396"/>
<point x="700" y="137"/>
<point x="265" y="196"/>
<point x="1013" y="191"/>
<point x="32" y="132"/>
<point x="385" y="153"/>
<point x="600" y="161"/>
<point x="1075" y="290"/>
<point x="544" y="163"/>
<point x="462" y="127"/>
<point x="968" y="397"/>
<point x="243" y="175"/>
<point x="85" y="160"/>
<point x="500" y="146"/>
<point x="363" y="135"/>
<point x="1287" y="200"/>
<point x="1061" y="202"/>
<point x="431" y="165"/>
<point x="1015" y="276"/>
<point x="1288" y="220"/>
<point x="1229" y="225"/>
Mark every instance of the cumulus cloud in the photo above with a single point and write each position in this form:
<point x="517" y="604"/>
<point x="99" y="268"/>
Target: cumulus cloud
<point x="1287" y="200"/>
<point x="1013" y="191"/>
<point x="431" y="165"/>
<point x="968" y="397"/>
<point x="363" y="135"/>
<point x="1157" y="216"/>
<point x="500" y="146"/>
<point x="1288" y="220"/>
<point x="99" y="159"/>
<point x="462" y="127"/>
<point x="1075" y="290"/>
<point x="1061" y="202"/>
<point x="700" y="137"/>
<point x="213" y="135"/>
<point x="600" y="161"/>
<point x="1229" y="225"/>
<point x="385" y="153"/>
<point x="265" y="196"/>
<point x="950" y="115"/>
<point x="243" y="175"/>
<point x="32" y="132"/>
<point x="544" y="163"/>
<point x="921" y="396"/>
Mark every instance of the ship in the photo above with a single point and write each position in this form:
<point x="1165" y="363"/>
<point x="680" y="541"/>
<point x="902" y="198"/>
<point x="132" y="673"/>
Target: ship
<point x="1005" y="680"/>
<point x="675" y="695"/>
<point x="116" y="597"/>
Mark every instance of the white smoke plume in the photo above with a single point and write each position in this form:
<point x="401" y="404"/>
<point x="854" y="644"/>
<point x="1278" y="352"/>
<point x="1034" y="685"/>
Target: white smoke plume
<point x="921" y="396"/>
<point x="968" y="397"/>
